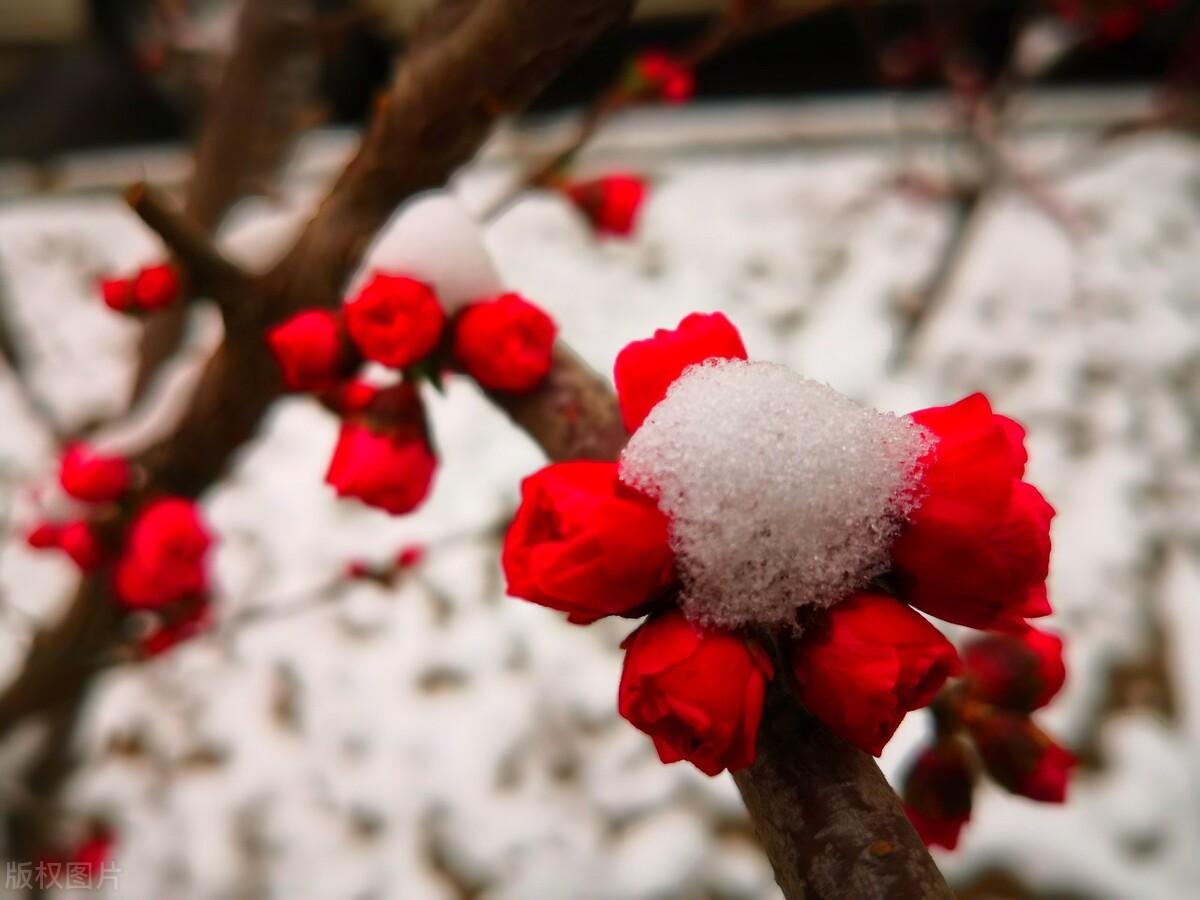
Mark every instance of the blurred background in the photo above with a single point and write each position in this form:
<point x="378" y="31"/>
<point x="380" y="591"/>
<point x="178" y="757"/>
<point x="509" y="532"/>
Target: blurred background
<point x="908" y="200"/>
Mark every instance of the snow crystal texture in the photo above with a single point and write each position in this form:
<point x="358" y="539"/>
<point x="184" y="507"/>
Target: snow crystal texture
<point x="782" y="493"/>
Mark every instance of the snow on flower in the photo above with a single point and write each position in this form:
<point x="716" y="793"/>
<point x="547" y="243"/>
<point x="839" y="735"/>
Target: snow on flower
<point x="749" y="500"/>
<point x="782" y="493"/>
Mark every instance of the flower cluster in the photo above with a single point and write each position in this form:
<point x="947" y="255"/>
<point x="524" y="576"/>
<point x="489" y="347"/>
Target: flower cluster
<point x="657" y="75"/>
<point x="968" y="541"/>
<point x="97" y="480"/>
<point x="152" y="288"/>
<point x="984" y="723"/>
<point x="1110" y="21"/>
<point x="157" y="552"/>
<point x="384" y="457"/>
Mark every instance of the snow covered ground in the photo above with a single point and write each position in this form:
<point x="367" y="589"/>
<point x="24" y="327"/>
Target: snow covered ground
<point x="439" y="740"/>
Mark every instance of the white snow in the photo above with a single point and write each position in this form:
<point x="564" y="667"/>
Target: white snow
<point x="781" y="492"/>
<point x="448" y="712"/>
<point x="434" y="239"/>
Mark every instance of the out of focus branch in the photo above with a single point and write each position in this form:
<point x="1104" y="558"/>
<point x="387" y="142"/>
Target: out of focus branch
<point x="208" y="272"/>
<point x="728" y="32"/>
<point x="251" y="121"/>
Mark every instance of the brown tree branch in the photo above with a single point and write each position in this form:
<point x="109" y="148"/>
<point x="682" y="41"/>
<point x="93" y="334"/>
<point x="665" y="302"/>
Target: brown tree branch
<point x="728" y="32"/>
<point x="208" y="272"/>
<point x="257" y="110"/>
<point x="442" y="106"/>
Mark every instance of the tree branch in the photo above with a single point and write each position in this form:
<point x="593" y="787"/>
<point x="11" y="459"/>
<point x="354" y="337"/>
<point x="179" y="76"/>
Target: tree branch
<point x="253" y="117"/>
<point x="208" y="272"/>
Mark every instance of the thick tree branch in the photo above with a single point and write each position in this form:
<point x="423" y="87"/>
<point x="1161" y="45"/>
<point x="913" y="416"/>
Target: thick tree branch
<point x="441" y="108"/>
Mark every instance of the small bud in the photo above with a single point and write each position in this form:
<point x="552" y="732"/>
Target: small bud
<point x="505" y="344"/>
<point x="1019" y="673"/>
<point x="937" y="792"/>
<point x="92" y="477"/>
<point x="1018" y="755"/>
<point x="309" y="349"/>
<point x="611" y="203"/>
<point x="155" y="287"/>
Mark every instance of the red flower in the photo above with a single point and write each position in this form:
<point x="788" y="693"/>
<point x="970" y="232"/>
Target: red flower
<point x="79" y="541"/>
<point x="164" y="555"/>
<point x="94" y="852"/>
<point x="117" y="293"/>
<point x="189" y="619"/>
<point x="1019" y="673"/>
<point x="663" y="75"/>
<point x="155" y="287"/>
<point x="977" y="549"/>
<point x="395" y="320"/>
<point x="506" y="344"/>
<point x="92" y="477"/>
<point x="645" y="369"/>
<point x="582" y="544"/>
<point x="937" y="793"/>
<point x="410" y="556"/>
<point x="611" y="203"/>
<point x="309" y="349"/>
<point x="698" y="693"/>
<point x="390" y="467"/>
<point x="44" y="536"/>
<point x="1020" y="756"/>
<point x="866" y="664"/>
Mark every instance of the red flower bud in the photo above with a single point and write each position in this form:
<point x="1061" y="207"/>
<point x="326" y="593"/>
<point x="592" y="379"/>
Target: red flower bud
<point x="506" y="344"/>
<point x="309" y="349"/>
<point x="410" y="556"/>
<point x="117" y="293"/>
<point x="582" y="544"/>
<point x="395" y="320"/>
<point x="79" y="541"/>
<point x="92" y="477"/>
<point x="189" y="619"/>
<point x="611" y="203"/>
<point x="390" y="468"/>
<point x="155" y="287"/>
<point x="698" y="693"/>
<point x="1020" y="756"/>
<point x="977" y="549"/>
<point x="663" y="76"/>
<point x="1020" y="672"/>
<point x="164" y="556"/>
<point x="866" y="663"/>
<point x="93" y="852"/>
<point x="44" y="536"/>
<point x="645" y="369"/>
<point x="937" y="792"/>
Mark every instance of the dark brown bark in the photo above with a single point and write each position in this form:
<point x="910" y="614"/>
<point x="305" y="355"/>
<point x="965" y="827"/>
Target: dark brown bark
<point x="829" y="822"/>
